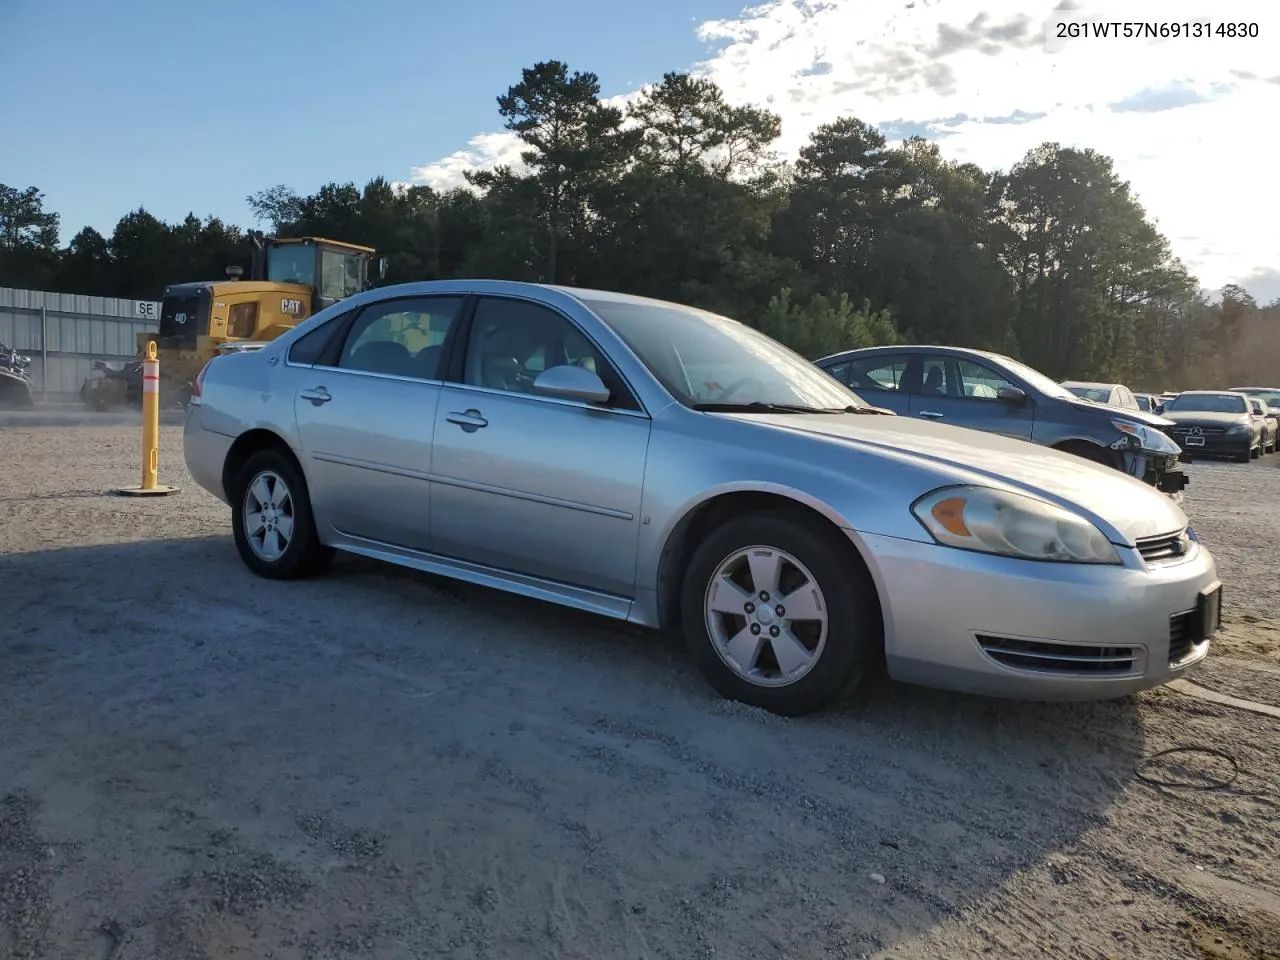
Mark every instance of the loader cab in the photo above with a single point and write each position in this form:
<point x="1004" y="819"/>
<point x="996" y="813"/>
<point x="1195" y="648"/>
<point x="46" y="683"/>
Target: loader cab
<point x="333" y="270"/>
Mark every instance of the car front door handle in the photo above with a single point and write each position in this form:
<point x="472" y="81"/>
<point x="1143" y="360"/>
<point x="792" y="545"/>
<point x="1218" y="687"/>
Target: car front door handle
<point x="317" y="396"/>
<point x="469" y="420"/>
<point x="934" y="414"/>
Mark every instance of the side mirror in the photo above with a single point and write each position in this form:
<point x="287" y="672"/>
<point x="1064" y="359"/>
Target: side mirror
<point x="1012" y="395"/>
<point x="571" y="383"/>
<point x="382" y="268"/>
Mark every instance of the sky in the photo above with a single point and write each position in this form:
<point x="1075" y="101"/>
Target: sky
<point x="192" y="106"/>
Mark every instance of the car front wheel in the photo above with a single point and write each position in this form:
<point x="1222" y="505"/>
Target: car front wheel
<point x="778" y="614"/>
<point x="271" y="519"/>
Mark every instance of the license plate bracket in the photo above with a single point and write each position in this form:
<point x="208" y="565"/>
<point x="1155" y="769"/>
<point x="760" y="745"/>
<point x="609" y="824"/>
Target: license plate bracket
<point x="1209" y="612"/>
<point x="1195" y="441"/>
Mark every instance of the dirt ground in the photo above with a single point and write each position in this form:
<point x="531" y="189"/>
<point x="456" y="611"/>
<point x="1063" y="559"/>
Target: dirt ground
<point x="199" y="764"/>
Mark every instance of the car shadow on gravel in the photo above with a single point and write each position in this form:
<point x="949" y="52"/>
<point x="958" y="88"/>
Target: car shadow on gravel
<point x="580" y="783"/>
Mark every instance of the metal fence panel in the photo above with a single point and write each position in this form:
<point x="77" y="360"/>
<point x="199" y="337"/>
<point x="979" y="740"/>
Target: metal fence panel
<point x="64" y="333"/>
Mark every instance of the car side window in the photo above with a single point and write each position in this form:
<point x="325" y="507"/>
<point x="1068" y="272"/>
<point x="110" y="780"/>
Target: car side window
<point x="403" y="337"/>
<point x="840" y="371"/>
<point x="309" y="348"/>
<point x="980" y="382"/>
<point x="512" y="341"/>
<point x="875" y="373"/>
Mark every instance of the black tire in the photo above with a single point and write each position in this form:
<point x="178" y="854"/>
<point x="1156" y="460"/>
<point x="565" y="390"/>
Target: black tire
<point x="1244" y="457"/>
<point x="854" y="639"/>
<point x="1255" y="452"/>
<point x="304" y="555"/>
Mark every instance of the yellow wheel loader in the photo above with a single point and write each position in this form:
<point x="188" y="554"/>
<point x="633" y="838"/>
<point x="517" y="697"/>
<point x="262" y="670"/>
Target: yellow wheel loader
<point x="291" y="279"/>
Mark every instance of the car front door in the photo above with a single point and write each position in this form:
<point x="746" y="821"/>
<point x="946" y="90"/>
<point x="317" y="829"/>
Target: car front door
<point x="366" y="412"/>
<point x="531" y="484"/>
<point x="966" y="393"/>
<point x="877" y="379"/>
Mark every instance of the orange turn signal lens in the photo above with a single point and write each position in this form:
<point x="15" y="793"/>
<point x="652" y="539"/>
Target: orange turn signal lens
<point x="950" y="515"/>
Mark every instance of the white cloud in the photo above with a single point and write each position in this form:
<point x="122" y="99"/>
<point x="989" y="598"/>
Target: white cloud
<point x="1186" y="120"/>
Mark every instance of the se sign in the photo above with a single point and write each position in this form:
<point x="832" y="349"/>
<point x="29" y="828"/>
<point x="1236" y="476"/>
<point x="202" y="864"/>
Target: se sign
<point x="146" y="310"/>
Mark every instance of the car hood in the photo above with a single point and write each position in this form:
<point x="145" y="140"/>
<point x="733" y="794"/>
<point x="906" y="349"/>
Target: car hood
<point x="1204" y="417"/>
<point x="1137" y="416"/>
<point x="1122" y="507"/>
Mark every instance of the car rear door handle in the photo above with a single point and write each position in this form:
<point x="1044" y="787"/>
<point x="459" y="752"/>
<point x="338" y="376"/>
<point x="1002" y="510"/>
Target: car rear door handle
<point x="930" y="413"/>
<point x="317" y="396"/>
<point x="469" y="420"/>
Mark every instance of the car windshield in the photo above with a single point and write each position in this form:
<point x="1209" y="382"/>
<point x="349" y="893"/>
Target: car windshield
<point x="702" y="358"/>
<point x="1096" y="394"/>
<point x="1207" y="403"/>
<point x="1037" y="380"/>
<point x="1270" y="397"/>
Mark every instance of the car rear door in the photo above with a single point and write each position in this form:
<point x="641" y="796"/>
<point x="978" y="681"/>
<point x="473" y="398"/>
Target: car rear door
<point x="965" y="393"/>
<point x="530" y="484"/>
<point x="366" y="415"/>
<point x="877" y="379"/>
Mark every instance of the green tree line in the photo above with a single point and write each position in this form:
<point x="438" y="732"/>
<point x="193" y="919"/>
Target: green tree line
<point x="681" y="196"/>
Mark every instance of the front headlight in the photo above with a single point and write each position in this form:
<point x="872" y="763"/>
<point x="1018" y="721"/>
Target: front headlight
<point x="1011" y="525"/>
<point x="1144" y="438"/>
<point x="1238" y="429"/>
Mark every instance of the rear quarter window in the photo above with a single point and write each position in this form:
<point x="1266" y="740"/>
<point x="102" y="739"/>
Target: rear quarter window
<point x="310" y="347"/>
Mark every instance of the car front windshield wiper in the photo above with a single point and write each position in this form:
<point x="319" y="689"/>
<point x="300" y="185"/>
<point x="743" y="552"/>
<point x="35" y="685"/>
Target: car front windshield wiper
<point x="756" y="406"/>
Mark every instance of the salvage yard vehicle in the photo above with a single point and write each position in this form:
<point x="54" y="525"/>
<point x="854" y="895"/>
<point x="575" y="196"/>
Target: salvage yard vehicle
<point x="995" y="393"/>
<point x="1267" y="420"/>
<point x="1111" y="394"/>
<point x="15" y="380"/>
<point x="1268" y="395"/>
<point x="1215" y="423"/>
<point x="563" y="444"/>
<point x="290" y="279"/>
<point x="1147" y="402"/>
<point x="111" y="386"/>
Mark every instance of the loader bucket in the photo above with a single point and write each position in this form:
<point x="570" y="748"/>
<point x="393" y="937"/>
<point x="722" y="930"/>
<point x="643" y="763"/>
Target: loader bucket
<point x="15" y="390"/>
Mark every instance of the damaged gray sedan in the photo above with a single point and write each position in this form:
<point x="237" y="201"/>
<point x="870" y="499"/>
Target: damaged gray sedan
<point x="673" y="468"/>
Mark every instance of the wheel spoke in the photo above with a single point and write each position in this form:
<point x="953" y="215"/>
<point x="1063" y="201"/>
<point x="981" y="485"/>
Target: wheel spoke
<point x="804" y="603"/>
<point x="271" y="545"/>
<point x="253" y="523"/>
<point x="261" y="492"/>
<point x="727" y="597"/>
<point x="284" y="528"/>
<point x="279" y="493"/>
<point x="743" y="650"/>
<point x="766" y="570"/>
<point x="791" y="654"/>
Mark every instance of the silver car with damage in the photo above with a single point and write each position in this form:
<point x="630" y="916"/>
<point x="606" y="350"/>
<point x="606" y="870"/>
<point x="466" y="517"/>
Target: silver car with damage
<point x="677" y="469"/>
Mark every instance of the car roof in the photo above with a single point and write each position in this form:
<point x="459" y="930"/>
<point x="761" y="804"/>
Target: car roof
<point x="900" y="347"/>
<point x="1209" y="393"/>
<point x="1087" y="383"/>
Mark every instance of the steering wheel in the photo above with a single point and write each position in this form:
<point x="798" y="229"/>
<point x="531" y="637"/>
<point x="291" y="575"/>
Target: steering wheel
<point x="740" y="382"/>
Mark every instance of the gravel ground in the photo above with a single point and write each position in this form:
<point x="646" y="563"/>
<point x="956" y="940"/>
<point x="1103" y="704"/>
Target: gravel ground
<point x="195" y="763"/>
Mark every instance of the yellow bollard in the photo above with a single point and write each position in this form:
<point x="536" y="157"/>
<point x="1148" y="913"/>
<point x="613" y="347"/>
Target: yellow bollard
<point x="150" y="430"/>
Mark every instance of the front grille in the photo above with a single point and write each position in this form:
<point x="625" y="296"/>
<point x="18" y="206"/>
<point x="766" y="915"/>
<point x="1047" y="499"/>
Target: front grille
<point x="1206" y="431"/>
<point x="1164" y="548"/>
<point x="1061" y="658"/>
<point x="1182" y="636"/>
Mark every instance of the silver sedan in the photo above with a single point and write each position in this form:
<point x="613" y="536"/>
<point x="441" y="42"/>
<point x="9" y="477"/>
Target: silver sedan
<point x="674" y="468"/>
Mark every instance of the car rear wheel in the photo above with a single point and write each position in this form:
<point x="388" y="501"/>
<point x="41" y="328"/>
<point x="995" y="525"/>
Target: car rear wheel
<point x="778" y="615"/>
<point x="271" y="519"/>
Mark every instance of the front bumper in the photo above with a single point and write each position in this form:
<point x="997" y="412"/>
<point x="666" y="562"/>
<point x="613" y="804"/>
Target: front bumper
<point x="1002" y="627"/>
<point x="1222" y="445"/>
